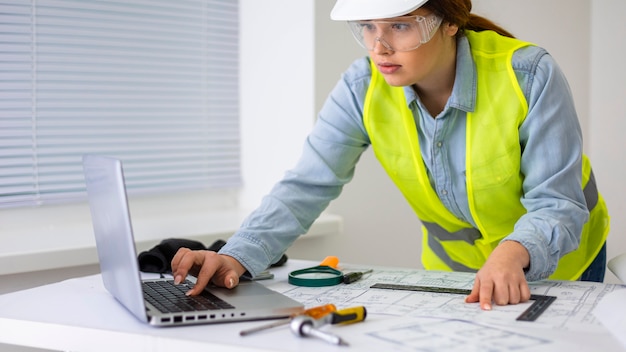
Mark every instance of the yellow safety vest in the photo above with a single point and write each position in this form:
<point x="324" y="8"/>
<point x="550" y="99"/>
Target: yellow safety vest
<point x="493" y="176"/>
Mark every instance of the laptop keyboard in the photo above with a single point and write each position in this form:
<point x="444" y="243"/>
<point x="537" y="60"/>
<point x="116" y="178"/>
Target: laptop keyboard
<point x="170" y="298"/>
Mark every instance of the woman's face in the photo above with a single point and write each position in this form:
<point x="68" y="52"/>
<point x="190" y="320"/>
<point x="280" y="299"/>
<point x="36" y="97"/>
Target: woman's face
<point x="418" y="66"/>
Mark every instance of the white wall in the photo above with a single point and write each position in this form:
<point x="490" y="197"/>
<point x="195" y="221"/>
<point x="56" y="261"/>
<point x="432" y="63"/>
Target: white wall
<point x="607" y="119"/>
<point x="276" y="83"/>
<point x="379" y="227"/>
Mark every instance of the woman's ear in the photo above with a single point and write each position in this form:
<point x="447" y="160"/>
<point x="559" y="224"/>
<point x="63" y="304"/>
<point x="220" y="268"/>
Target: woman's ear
<point x="450" y="29"/>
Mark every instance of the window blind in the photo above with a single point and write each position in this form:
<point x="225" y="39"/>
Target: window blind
<point x="152" y="82"/>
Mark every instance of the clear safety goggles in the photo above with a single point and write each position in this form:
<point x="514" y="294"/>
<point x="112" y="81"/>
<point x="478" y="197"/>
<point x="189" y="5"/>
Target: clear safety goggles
<point x="404" y="33"/>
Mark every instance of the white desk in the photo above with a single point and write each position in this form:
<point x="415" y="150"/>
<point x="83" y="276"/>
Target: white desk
<point x="397" y="320"/>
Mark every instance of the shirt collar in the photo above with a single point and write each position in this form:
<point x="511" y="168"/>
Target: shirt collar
<point x="464" y="90"/>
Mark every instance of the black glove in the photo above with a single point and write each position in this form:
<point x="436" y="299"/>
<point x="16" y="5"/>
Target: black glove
<point x="159" y="258"/>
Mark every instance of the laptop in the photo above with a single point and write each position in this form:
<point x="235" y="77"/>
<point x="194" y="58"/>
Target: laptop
<point x="147" y="299"/>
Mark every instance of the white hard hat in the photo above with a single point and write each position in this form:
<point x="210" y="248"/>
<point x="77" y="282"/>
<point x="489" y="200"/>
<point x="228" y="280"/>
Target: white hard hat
<point x="351" y="10"/>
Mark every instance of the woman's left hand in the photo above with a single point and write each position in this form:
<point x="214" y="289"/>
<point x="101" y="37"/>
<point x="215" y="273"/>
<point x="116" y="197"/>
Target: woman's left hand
<point x="501" y="280"/>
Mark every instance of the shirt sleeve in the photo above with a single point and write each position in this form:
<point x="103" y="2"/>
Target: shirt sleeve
<point x="551" y="163"/>
<point x="327" y="163"/>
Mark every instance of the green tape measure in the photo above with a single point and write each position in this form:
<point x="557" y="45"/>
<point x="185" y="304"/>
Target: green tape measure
<point x="316" y="276"/>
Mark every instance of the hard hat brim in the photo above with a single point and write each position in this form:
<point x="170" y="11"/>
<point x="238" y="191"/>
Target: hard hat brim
<point x="352" y="10"/>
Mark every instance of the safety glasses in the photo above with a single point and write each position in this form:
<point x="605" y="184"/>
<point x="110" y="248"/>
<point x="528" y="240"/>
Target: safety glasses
<point x="404" y="33"/>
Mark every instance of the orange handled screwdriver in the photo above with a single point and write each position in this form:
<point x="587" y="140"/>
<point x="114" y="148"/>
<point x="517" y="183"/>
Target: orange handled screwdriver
<point x="344" y="316"/>
<point x="320" y="311"/>
<point x="316" y="313"/>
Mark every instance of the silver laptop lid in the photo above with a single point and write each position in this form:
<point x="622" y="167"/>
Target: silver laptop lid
<point x="113" y="231"/>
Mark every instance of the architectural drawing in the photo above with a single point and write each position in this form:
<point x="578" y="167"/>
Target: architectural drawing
<point x="449" y="322"/>
<point x="432" y="334"/>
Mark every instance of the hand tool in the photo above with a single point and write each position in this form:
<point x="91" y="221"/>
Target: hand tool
<point x="315" y="313"/>
<point x="540" y="304"/>
<point x="344" y="316"/>
<point x="325" y="274"/>
<point x="330" y="261"/>
<point x="354" y="276"/>
<point x="303" y="325"/>
<point x="316" y="276"/>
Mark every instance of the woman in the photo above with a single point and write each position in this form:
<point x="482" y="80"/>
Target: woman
<point x="479" y="132"/>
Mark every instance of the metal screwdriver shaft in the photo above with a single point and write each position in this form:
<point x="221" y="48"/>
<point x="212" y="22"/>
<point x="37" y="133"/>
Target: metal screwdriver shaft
<point x="315" y="313"/>
<point x="265" y="327"/>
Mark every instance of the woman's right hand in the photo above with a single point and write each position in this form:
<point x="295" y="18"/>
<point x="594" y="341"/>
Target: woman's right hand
<point x="206" y="266"/>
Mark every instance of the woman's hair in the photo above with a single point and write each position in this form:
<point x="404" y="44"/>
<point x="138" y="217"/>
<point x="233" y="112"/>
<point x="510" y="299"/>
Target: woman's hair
<point x="457" y="12"/>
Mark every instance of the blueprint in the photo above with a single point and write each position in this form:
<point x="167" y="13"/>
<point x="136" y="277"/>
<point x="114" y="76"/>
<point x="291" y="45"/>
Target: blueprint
<point x="443" y="321"/>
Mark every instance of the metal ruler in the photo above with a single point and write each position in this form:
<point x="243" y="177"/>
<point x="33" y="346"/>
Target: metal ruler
<point x="540" y="304"/>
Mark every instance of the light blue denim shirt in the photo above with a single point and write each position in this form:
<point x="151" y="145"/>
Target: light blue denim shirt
<point x="551" y="163"/>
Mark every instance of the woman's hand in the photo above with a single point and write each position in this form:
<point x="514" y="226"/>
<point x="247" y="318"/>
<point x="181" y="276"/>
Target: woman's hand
<point x="502" y="279"/>
<point x="206" y="266"/>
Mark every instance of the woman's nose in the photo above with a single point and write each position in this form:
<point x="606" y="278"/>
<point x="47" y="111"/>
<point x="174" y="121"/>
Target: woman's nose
<point x="381" y="46"/>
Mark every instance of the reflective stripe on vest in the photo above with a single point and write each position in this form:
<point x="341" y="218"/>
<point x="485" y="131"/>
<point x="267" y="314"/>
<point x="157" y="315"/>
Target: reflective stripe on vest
<point x="437" y="234"/>
<point x="494" y="183"/>
<point x="591" y="192"/>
